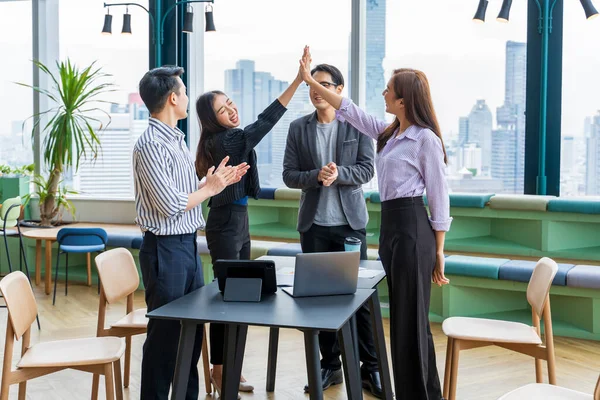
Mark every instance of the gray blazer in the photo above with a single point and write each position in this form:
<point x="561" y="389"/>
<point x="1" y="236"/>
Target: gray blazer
<point x="354" y="155"/>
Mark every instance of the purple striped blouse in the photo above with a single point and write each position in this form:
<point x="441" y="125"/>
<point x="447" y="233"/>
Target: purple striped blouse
<point x="408" y="165"/>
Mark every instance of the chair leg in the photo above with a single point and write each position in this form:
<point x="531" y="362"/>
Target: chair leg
<point x="95" y="386"/>
<point x="55" y="275"/>
<point x="109" y="381"/>
<point x="454" y="369"/>
<point x="448" y="369"/>
<point x="7" y="251"/>
<point x="4" y="389"/>
<point x="23" y="390"/>
<point x="551" y="365"/>
<point x="89" y="269"/>
<point x="66" y="273"/>
<point x="538" y="371"/>
<point x="127" y="371"/>
<point x="205" y="362"/>
<point x="118" y="381"/>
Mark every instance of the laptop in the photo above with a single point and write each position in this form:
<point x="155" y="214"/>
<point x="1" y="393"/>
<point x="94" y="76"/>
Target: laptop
<point x="325" y="274"/>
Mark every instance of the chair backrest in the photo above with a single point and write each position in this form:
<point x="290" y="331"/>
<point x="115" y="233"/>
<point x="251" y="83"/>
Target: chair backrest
<point x="20" y="302"/>
<point x="9" y="213"/>
<point x="540" y="282"/>
<point x="81" y="236"/>
<point x="118" y="273"/>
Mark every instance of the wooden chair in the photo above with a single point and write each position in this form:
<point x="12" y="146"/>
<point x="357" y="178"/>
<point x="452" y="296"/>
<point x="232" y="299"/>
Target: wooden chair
<point x="119" y="279"/>
<point x="95" y="355"/>
<point x="541" y="391"/>
<point x="469" y="333"/>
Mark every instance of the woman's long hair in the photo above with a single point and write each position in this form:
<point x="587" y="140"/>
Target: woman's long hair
<point x="209" y="127"/>
<point x="412" y="86"/>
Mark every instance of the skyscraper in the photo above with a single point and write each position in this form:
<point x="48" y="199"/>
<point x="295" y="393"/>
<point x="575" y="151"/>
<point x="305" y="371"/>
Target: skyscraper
<point x="253" y="91"/>
<point x="592" y="172"/>
<point x="509" y="163"/>
<point x="375" y="43"/>
<point x="375" y="80"/>
<point x="480" y="133"/>
<point x="109" y="175"/>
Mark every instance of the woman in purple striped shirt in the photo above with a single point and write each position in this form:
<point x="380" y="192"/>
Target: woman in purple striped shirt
<point x="410" y="160"/>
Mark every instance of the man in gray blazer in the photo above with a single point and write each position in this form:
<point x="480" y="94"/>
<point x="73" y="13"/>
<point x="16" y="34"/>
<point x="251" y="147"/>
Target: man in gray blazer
<point x="330" y="161"/>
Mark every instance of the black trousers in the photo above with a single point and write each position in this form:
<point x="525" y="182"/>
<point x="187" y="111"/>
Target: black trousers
<point x="408" y="252"/>
<point x="319" y="239"/>
<point x="171" y="268"/>
<point x="228" y="238"/>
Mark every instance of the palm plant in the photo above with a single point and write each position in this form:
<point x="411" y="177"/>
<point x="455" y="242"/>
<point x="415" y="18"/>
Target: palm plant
<point x="69" y="135"/>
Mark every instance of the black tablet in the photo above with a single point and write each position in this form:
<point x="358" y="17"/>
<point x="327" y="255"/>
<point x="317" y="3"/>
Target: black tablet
<point x="262" y="269"/>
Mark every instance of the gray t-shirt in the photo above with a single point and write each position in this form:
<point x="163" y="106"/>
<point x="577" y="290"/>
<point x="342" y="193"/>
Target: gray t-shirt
<point x="329" y="210"/>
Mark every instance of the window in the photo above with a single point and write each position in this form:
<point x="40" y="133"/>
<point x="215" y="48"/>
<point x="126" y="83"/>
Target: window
<point x="16" y="101"/>
<point x="254" y="56"/>
<point x="125" y="57"/>
<point x="580" y="130"/>
<point x="477" y="74"/>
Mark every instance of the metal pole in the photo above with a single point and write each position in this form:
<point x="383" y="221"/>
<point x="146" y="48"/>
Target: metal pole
<point x="541" y="179"/>
<point x="158" y="35"/>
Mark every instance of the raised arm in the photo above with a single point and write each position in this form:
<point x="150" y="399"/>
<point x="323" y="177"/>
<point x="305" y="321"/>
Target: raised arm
<point x="347" y="110"/>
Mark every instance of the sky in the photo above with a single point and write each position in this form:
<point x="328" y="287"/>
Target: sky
<point x="463" y="60"/>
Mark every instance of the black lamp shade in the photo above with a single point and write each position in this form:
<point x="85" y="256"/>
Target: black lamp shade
<point x="590" y="10"/>
<point x="188" y="22"/>
<point x="480" y="13"/>
<point x="504" y="11"/>
<point x="210" y="22"/>
<point x="107" y="29"/>
<point x="126" y="24"/>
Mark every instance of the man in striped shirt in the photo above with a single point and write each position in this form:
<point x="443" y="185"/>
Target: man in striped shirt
<point x="167" y="201"/>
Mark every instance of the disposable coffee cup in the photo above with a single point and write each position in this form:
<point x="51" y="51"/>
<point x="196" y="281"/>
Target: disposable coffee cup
<point x="352" y="244"/>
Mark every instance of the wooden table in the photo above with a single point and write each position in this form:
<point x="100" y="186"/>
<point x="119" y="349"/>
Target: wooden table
<point x="48" y="235"/>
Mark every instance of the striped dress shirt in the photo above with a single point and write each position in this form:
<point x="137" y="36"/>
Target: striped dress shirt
<point x="409" y="165"/>
<point x="164" y="175"/>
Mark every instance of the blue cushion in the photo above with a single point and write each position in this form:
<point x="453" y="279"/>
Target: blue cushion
<point x="267" y="193"/>
<point x="584" y="276"/>
<point x="81" y="237"/>
<point x="81" y="249"/>
<point x="290" y="250"/>
<point x="472" y="200"/>
<point x="137" y="243"/>
<point x="474" y="266"/>
<point x="121" y="239"/>
<point x="375" y="198"/>
<point x="521" y="271"/>
<point x="581" y="206"/>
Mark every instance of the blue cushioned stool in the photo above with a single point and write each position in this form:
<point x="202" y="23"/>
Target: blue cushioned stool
<point x="78" y="240"/>
<point x="289" y="250"/>
<point x="521" y="271"/>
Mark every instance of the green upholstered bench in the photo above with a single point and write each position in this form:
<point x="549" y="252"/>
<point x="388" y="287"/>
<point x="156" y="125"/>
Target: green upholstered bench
<point x="575" y="205"/>
<point x="287" y="194"/>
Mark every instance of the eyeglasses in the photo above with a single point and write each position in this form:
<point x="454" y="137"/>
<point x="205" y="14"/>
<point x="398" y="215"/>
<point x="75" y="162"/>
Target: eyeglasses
<point x="326" y="84"/>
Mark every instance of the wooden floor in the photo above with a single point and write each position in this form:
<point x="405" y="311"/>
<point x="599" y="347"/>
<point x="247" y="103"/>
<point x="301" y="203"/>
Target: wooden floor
<point x="485" y="373"/>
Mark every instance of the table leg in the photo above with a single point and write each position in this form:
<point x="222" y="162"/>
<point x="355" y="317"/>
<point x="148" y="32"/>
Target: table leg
<point x="351" y="374"/>
<point x="355" y="339"/>
<point x="38" y="262"/>
<point x="272" y="358"/>
<point x="235" y="344"/>
<point x="313" y="364"/>
<point x="378" y="335"/>
<point x="89" y="269"/>
<point x="184" y="360"/>
<point x="48" y="265"/>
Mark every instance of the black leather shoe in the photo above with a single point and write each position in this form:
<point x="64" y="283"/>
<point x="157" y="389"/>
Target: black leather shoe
<point x="372" y="382"/>
<point x="330" y="377"/>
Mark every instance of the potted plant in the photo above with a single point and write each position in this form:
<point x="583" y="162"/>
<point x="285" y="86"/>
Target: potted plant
<point x="14" y="181"/>
<point x="61" y="202"/>
<point x="71" y="133"/>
